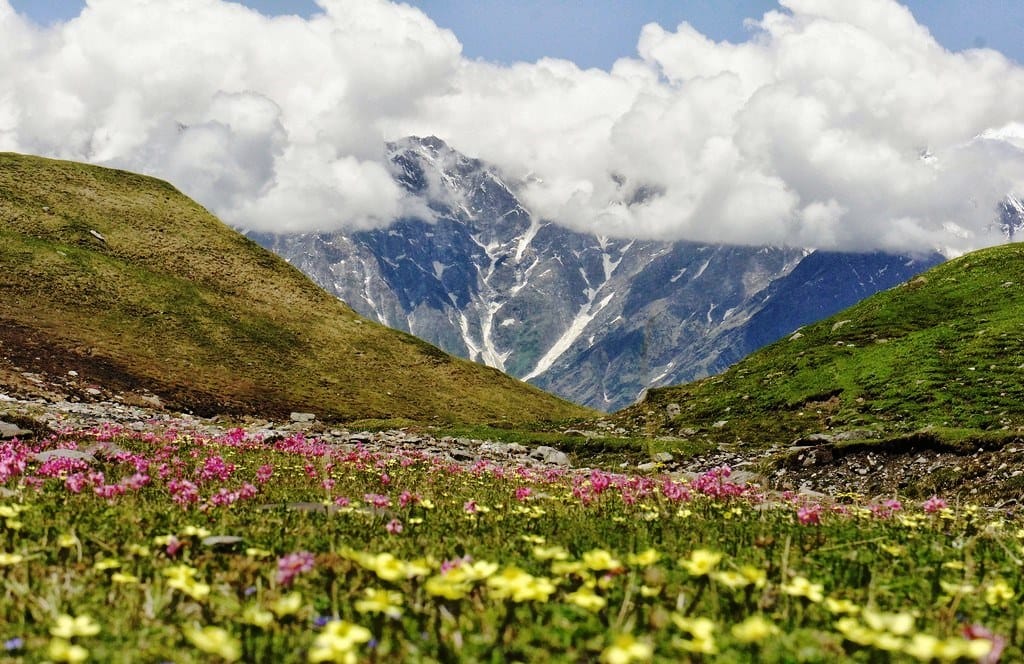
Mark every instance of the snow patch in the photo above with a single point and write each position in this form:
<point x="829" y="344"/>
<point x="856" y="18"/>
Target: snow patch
<point x="583" y="317"/>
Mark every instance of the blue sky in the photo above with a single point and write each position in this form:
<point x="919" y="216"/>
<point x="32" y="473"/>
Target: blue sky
<point x="594" y="33"/>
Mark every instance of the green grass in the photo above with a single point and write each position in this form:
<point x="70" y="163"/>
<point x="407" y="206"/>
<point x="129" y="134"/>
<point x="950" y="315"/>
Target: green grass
<point x="944" y="352"/>
<point x="176" y="302"/>
<point x="429" y="561"/>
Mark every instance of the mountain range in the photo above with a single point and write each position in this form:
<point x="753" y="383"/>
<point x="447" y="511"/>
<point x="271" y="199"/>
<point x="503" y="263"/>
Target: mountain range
<point x="116" y="283"/>
<point x="596" y="320"/>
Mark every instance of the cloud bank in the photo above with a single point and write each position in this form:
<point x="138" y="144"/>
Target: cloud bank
<point x="837" y="125"/>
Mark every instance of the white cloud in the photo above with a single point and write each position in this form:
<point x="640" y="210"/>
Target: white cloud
<point x="810" y="133"/>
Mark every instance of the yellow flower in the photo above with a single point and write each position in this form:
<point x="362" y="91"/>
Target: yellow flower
<point x="801" y="587"/>
<point x="550" y="553"/>
<point x="67" y="541"/>
<point x="448" y="586"/>
<point x="700" y="562"/>
<point x="754" y="629"/>
<point x="254" y="615"/>
<point x="377" y="600"/>
<point x="855" y="632"/>
<point x="10" y="511"/>
<point x="337" y="642"/>
<point x="519" y="586"/>
<point x="214" y="641"/>
<point x="998" y="593"/>
<point x="182" y="577"/>
<point x="730" y="579"/>
<point x="124" y="578"/>
<point x="106" y="563"/>
<point x="644" y="558"/>
<point x="754" y="575"/>
<point x="895" y="550"/>
<point x="701" y="631"/>
<point x="899" y="624"/>
<point x="600" y="560"/>
<point x="68" y="628"/>
<point x="256" y="552"/>
<point x="650" y="591"/>
<point x="924" y="647"/>
<point x="195" y="531"/>
<point x="7" y="559"/>
<point x="585" y="598"/>
<point x="386" y="567"/>
<point x="841" y="606"/>
<point x="533" y="539"/>
<point x="139" y="550"/>
<point x="625" y="649"/>
<point x="61" y="650"/>
<point x="288" y="605"/>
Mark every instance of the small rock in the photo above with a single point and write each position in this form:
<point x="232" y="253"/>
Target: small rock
<point x="302" y="417"/>
<point x="93" y="391"/>
<point x="719" y="424"/>
<point x="222" y="541"/>
<point x="673" y="409"/>
<point x="663" y="457"/>
<point x="644" y="467"/>
<point x="550" y="455"/>
<point x="79" y="455"/>
<point x="8" y="430"/>
<point x="72" y="373"/>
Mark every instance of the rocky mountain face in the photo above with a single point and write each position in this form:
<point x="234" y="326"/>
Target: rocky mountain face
<point x="596" y="320"/>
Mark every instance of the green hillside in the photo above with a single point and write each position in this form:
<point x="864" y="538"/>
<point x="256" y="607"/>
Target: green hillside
<point x="940" y="357"/>
<point x="123" y="278"/>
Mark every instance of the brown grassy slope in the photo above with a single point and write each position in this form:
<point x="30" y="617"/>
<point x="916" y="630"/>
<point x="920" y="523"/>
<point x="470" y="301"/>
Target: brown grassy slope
<point x="175" y="301"/>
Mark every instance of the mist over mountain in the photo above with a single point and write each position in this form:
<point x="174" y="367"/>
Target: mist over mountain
<point x="594" y="319"/>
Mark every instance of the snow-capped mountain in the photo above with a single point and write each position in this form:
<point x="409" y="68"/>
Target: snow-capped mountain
<point x="1011" y="217"/>
<point x="594" y="319"/>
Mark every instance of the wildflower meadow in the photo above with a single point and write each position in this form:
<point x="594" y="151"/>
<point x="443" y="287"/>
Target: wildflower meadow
<point x="172" y="546"/>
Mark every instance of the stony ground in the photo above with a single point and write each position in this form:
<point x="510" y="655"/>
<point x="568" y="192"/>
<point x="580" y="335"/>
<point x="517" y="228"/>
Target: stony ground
<point x="32" y="403"/>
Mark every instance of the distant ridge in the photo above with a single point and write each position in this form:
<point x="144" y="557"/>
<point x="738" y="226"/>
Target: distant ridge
<point x="121" y="275"/>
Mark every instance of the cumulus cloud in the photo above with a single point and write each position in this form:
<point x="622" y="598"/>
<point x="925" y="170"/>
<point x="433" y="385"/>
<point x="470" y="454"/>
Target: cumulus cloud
<point x="837" y="125"/>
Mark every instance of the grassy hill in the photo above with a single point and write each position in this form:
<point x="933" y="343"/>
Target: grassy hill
<point x="122" y="278"/>
<point x="940" y="357"/>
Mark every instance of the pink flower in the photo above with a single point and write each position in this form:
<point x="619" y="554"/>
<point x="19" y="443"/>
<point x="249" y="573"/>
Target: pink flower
<point x="108" y="491"/>
<point x="809" y="515"/>
<point x="136" y="481"/>
<point x="394" y="526"/>
<point x="407" y="499"/>
<point x="216" y="468"/>
<point x="675" y="491"/>
<point x="377" y="500"/>
<point x="173" y="546"/>
<point x="523" y="493"/>
<point x="293" y="564"/>
<point x="933" y="505"/>
<point x="385" y="479"/>
<point x="469" y="506"/>
<point x="264" y="473"/>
